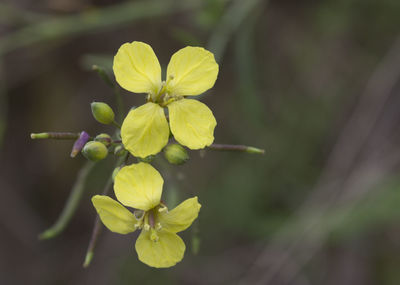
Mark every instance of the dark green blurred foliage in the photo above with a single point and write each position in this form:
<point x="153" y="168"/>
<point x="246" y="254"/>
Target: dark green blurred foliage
<point x="315" y="83"/>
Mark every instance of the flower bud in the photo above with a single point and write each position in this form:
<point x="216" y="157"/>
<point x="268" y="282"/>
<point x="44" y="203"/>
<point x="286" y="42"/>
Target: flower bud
<point x="176" y="154"/>
<point x="79" y="143"/>
<point x="104" y="139"/>
<point x="119" y="150"/>
<point x="95" y="151"/>
<point x="102" y="113"/>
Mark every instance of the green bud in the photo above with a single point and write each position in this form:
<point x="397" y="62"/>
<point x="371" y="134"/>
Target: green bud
<point x="102" y="113"/>
<point x="95" y="151"/>
<point x="119" y="150"/>
<point x="104" y="139"/>
<point x="176" y="154"/>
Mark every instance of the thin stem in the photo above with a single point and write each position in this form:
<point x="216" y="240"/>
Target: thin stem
<point x="97" y="223"/>
<point x="119" y="102"/>
<point x="71" y="205"/>
<point x="103" y="75"/>
<point x="233" y="147"/>
<point x="118" y="98"/>
<point x="96" y="230"/>
<point x="56" y="135"/>
<point x="116" y="124"/>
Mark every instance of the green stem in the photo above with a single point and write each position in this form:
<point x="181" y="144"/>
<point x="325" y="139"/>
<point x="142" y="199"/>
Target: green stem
<point x="97" y="223"/>
<point x="55" y="136"/>
<point x="71" y="205"/>
<point x="103" y="75"/>
<point x="234" y="147"/>
<point x="118" y="98"/>
<point x="119" y="102"/>
<point x="116" y="124"/>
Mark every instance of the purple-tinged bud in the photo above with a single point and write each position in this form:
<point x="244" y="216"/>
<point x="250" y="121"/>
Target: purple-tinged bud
<point x="104" y="138"/>
<point x="79" y="143"/>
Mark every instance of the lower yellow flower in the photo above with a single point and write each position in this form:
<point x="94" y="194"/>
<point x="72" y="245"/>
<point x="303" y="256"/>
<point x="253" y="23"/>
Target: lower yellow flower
<point x="140" y="186"/>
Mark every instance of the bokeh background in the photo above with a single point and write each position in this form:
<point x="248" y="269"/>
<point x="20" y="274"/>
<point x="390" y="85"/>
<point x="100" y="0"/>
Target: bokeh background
<point x="315" y="83"/>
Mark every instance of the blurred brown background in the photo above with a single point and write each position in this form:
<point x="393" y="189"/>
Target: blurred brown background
<point x="315" y="83"/>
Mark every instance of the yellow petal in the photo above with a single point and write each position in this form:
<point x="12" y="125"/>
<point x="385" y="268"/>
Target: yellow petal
<point x="192" y="123"/>
<point x="145" y="130"/>
<point x="191" y="71"/>
<point x="113" y="215"/>
<point x="164" y="252"/>
<point x="138" y="186"/>
<point x="181" y="217"/>
<point x="137" y="69"/>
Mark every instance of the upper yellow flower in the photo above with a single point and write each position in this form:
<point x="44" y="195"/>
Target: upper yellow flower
<point x="191" y="71"/>
<point x="140" y="186"/>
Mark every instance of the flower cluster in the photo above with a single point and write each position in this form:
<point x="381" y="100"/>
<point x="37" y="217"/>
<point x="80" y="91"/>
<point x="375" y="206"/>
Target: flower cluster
<point x="146" y="131"/>
<point x="170" y="121"/>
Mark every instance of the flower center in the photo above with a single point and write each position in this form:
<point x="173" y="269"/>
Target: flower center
<point x="147" y="221"/>
<point x="163" y="98"/>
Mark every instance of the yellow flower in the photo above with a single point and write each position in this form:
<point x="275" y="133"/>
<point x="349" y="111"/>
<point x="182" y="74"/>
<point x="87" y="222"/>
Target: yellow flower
<point x="139" y="186"/>
<point x="191" y="71"/>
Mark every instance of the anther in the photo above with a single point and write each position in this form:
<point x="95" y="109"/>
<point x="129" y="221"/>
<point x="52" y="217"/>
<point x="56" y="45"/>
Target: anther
<point x="163" y="209"/>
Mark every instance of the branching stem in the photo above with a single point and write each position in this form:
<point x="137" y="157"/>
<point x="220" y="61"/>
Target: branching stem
<point x="234" y="147"/>
<point x="97" y="227"/>
<point x="55" y="135"/>
<point x="71" y="205"/>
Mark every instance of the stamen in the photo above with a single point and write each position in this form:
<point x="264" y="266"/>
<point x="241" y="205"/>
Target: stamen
<point x="146" y="225"/>
<point x="148" y="97"/>
<point x="163" y="209"/>
<point x="151" y="219"/>
<point x="153" y="236"/>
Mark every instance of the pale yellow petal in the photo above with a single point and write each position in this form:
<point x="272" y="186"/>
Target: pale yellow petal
<point x="191" y="71"/>
<point x="181" y="217"/>
<point x="138" y="186"/>
<point x="192" y="123"/>
<point x="137" y="69"/>
<point x="114" y="216"/>
<point x="145" y="130"/>
<point x="164" y="252"/>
